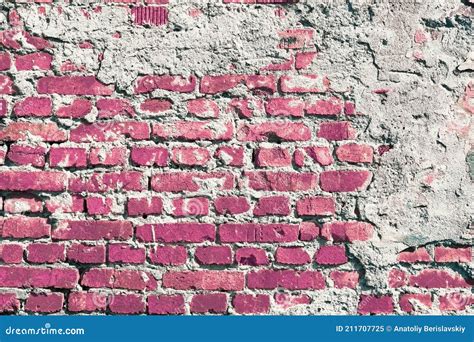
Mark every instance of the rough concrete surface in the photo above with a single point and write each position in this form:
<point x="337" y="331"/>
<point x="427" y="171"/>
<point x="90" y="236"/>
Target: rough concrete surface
<point x="405" y="228"/>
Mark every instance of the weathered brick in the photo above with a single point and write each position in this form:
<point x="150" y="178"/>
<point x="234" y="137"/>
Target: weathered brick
<point x="375" y="305"/>
<point x="33" y="277"/>
<point x="345" y="180"/>
<point x="86" y="254"/>
<point x="320" y="206"/>
<point x="347" y="231"/>
<point x="448" y="254"/>
<point x="168" y="255"/>
<point x="45" y="253"/>
<point x="254" y="232"/>
<point x="123" y="253"/>
<point x="274" y="131"/>
<point x="231" y="205"/>
<point x="292" y="256"/>
<point x="176" y="232"/>
<point x="251" y="256"/>
<point x="272" y="205"/>
<point x="44" y="302"/>
<point x="180" y="84"/>
<point x="33" y="61"/>
<point x="33" y="106"/>
<point x="72" y="85"/>
<point x="191" y="181"/>
<point x="204" y="280"/>
<point x="251" y="304"/>
<point x="209" y="303"/>
<point x="287" y="279"/>
<point x="272" y="157"/>
<point x="20" y="227"/>
<point x="92" y="230"/>
<point x="281" y="181"/>
<point x="166" y="305"/>
<point x="214" y="255"/>
<point x="331" y="255"/>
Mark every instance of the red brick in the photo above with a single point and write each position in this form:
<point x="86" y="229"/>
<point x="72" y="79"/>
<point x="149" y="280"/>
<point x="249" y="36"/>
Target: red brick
<point x="209" y="303"/>
<point x="68" y="204"/>
<point x="330" y="107"/>
<point x="33" y="106"/>
<point x="320" y="154"/>
<point x="261" y="84"/>
<point x="166" y="305"/>
<point x="9" y="303"/>
<point x="110" y="131"/>
<point x="345" y="180"/>
<point x="195" y="206"/>
<point x="303" y="84"/>
<point x="292" y="256"/>
<point x="219" y="84"/>
<point x="308" y="231"/>
<point x="29" y="277"/>
<point x="33" y="61"/>
<point x="144" y="206"/>
<point x="410" y="301"/>
<point x="244" y="108"/>
<point x="194" y="130"/>
<point x="108" y="156"/>
<point x="78" y="108"/>
<point x="99" y="205"/>
<point x="156" y="105"/>
<point x="86" y="254"/>
<point x="190" y="156"/>
<point x="272" y="157"/>
<point x="204" y="280"/>
<point x="44" y="302"/>
<point x="87" y="301"/>
<point x="251" y="256"/>
<point x="287" y="279"/>
<point x="254" y="232"/>
<point x="340" y="130"/>
<point x="397" y="278"/>
<point x="355" y="153"/>
<point x="123" y="253"/>
<point x="455" y="301"/>
<point x="281" y="181"/>
<point x="18" y="205"/>
<point x="272" y="205"/>
<point x="251" y="304"/>
<point x="375" y="305"/>
<point x="345" y="279"/>
<point x="203" y="108"/>
<point x="274" y="131"/>
<point x="214" y="255"/>
<point x="347" y="231"/>
<point x="418" y="255"/>
<point x="3" y="108"/>
<point x="304" y="59"/>
<point x="109" y="108"/>
<point x="180" y="84"/>
<point x="319" y="206"/>
<point x="67" y="157"/>
<point x="27" y="155"/>
<point x="331" y="255"/>
<point x="176" y="232"/>
<point x="127" y="304"/>
<point x="191" y="181"/>
<point x="103" y="182"/>
<point x="5" y="61"/>
<point x="231" y="205"/>
<point x="149" y="156"/>
<point x="285" y="107"/>
<point x="32" y="181"/>
<point x="430" y="279"/>
<point x="118" y="278"/>
<point x="168" y="255"/>
<point x="92" y="230"/>
<point x="286" y="301"/>
<point x="455" y="254"/>
<point x="20" y="227"/>
<point x="72" y="85"/>
<point x="229" y="155"/>
<point x="48" y="132"/>
<point x="6" y="85"/>
<point x="11" y="254"/>
<point x="45" y="253"/>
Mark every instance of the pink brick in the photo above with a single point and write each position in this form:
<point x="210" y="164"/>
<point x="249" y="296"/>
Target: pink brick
<point x="180" y="84"/>
<point x="45" y="302"/>
<point x="214" y="255"/>
<point x="251" y="304"/>
<point x="281" y="181"/>
<point x="285" y="107"/>
<point x="92" y="230"/>
<point x="261" y="84"/>
<point x="375" y="305"/>
<point x="32" y="181"/>
<point x="287" y="279"/>
<point x="292" y="256"/>
<point x="48" y="132"/>
<point x="272" y="157"/>
<point x="86" y="254"/>
<point x="149" y="156"/>
<point x="156" y="105"/>
<point x="195" y="206"/>
<point x="275" y="130"/>
<point x="176" y="232"/>
<point x="254" y="232"/>
<point x="190" y="181"/>
<point x="203" y="108"/>
<point x="340" y="130"/>
<point x="69" y="204"/>
<point x="123" y="253"/>
<point x="108" y="156"/>
<point x="166" y="305"/>
<point x="18" y="205"/>
<point x="282" y="66"/>
<point x="209" y="303"/>
<point x="27" y="155"/>
<point x="410" y="301"/>
<point x="103" y="182"/>
<point x="345" y="180"/>
<point x="204" y="280"/>
<point x="231" y="205"/>
<point x="285" y="301"/>
<point x="229" y="155"/>
<point x="38" y="277"/>
<point x="72" y="85"/>
<point x="355" y="153"/>
<point x="3" y="108"/>
<point x="109" y="108"/>
<point x="320" y="154"/>
<point x="308" y="231"/>
<point x="11" y="254"/>
<point x="295" y="38"/>
<point x="190" y="156"/>
<point x="33" y="106"/>
<point x="418" y="255"/>
<point x="329" y="107"/>
<point x="118" y="278"/>
<point x="9" y="303"/>
<point x="455" y="301"/>
<point x="304" y="84"/>
<point x="127" y="304"/>
<point x="110" y="131"/>
<point x="67" y="157"/>
<point x="220" y="83"/>
<point x="33" y="61"/>
<point x="251" y="256"/>
<point x="193" y="130"/>
<point x="430" y="278"/>
<point x="272" y="205"/>
<point x="5" y="61"/>
<point x="6" y="85"/>
<point x="150" y="15"/>
<point x="448" y="254"/>
<point x="244" y="107"/>
<point x="88" y="301"/>
<point x="144" y="206"/>
<point x="347" y="231"/>
<point x="168" y="255"/>
<point x="331" y="255"/>
<point x="397" y="278"/>
<point x="78" y="108"/>
<point x="319" y="206"/>
<point x="99" y="205"/>
<point x="19" y="227"/>
<point x="304" y="59"/>
<point x="45" y="253"/>
<point x="345" y="279"/>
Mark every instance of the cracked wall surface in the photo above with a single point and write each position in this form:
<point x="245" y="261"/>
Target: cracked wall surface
<point x="236" y="157"/>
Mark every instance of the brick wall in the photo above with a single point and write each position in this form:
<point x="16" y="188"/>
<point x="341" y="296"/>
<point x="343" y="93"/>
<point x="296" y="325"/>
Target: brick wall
<point x="190" y="193"/>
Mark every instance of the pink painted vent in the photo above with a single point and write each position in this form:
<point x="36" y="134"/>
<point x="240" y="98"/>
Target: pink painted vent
<point x="150" y="15"/>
